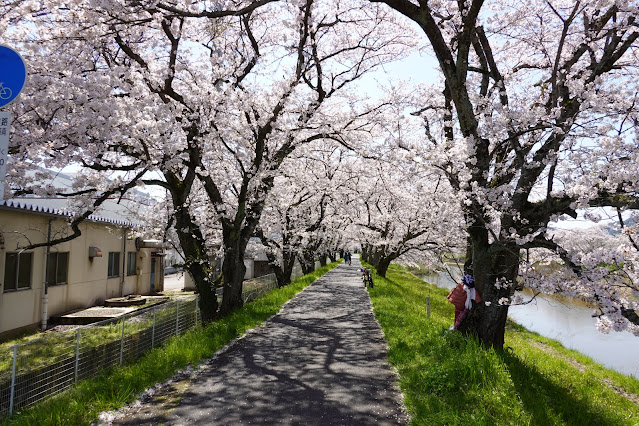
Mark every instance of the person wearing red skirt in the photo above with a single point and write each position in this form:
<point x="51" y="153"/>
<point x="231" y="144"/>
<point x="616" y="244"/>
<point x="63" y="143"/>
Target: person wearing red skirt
<point x="462" y="296"/>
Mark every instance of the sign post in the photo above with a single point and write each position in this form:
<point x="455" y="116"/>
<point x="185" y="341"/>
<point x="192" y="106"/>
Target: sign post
<point x="5" y="124"/>
<point x="13" y="74"/>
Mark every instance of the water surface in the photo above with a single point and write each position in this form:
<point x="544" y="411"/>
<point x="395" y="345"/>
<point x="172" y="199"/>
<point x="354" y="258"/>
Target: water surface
<point x="572" y="324"/>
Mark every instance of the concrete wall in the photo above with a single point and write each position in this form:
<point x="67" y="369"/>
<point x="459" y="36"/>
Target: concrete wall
<point x="87" y="282"/>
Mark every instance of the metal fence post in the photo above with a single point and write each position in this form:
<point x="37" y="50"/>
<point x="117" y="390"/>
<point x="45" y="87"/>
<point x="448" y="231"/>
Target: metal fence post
<point x="197" y="307"/>
<point x="77" y="355"/>
<point x="428" y="306"/>
<point x="13" y="379"/>
<point x="177" y="316"/>
<point x="153" y="330"/>
<point x="122" y="342"/>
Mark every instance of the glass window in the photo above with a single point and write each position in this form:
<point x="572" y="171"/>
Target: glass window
<point x="114" y="264"/>
<point x="17" y="271"/>
<point x="130" y="263"/>
<point x="58" y="268"/>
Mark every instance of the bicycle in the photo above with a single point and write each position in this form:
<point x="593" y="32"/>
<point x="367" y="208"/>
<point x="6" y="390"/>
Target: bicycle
<point x="367" y="277"/>
<point x="5" y="92"/>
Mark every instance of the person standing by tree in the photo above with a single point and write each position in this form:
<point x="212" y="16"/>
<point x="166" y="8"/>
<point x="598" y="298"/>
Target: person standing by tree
<point x="462" y="297"/>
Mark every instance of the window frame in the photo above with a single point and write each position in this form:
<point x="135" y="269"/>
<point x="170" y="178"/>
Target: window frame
<point x="55" y="266"/>
<point x="113" y="263"/>
<point x="131" y="267"/>
<point x="15" y="286"/>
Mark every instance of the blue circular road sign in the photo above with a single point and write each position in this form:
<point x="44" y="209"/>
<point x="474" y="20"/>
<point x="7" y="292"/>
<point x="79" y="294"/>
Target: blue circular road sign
<point x="13" y="74"/>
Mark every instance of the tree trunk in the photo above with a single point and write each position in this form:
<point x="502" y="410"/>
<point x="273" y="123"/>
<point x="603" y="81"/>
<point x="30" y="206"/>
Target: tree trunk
<point x="366" y="253"/>
<point x="233" y="270"/>
<point x="284" y="270"/>
<point x="192" y="242"/>
<point x="491" y="264"/>
<point x="307" y="260"/>
<point x="376" y="256"/>
<point x="199" y="267"/>
<point x="205" y="288"/>
<point x="323" y="260"/>
<point x="287" y="269"/>
<point x="331" y="256"/>
<point x="383" y="264"/>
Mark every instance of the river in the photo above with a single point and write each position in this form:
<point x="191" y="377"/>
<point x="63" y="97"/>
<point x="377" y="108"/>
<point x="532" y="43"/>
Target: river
<point x="572" y="324"/>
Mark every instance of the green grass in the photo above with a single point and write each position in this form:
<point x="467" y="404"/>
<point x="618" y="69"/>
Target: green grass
<point x="114" y="388"/>
<point x="30" y="335"/>
<point x="38" y="350"/>
<point x="449" y="379"/>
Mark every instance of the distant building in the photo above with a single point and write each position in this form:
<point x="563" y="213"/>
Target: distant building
<point x="102" y="263"/>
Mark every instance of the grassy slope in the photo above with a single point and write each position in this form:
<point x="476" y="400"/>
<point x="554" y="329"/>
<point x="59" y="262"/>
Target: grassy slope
<point x="113" y="389"/>
<point x="449" y="379"/>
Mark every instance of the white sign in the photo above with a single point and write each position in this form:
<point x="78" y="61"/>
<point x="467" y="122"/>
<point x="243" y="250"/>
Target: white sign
<point x="5" y="123"/>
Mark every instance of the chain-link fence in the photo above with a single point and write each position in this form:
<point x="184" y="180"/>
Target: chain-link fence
<point x="33" y="370"/>
<point x="256" y="287"/>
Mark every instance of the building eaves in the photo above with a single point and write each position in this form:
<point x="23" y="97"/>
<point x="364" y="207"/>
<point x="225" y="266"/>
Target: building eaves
<point x="63" y="213"/>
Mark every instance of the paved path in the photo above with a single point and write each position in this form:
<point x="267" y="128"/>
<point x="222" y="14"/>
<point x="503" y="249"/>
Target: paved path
<point x="174" y="282"/>
<point x="320" y="361"/>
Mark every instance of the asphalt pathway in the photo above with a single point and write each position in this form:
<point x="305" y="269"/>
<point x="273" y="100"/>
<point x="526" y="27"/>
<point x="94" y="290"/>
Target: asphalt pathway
<point x="320" y="361"/>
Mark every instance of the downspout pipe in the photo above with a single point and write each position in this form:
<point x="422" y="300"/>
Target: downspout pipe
<point x="123" y="273"/>
<point x="45" y="295"/>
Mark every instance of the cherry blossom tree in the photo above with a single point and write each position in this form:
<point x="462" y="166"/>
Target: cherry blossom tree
<point x="203" y="99"/>
<point x="404" y="208"/>
<point x="535" y="116"/>
<point x="599" y="266"/>
<point x="302" y="220"/>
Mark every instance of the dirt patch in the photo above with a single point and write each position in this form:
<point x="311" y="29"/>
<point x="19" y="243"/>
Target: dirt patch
<point x="544" y="347"/>
<point x="619" y="390"/>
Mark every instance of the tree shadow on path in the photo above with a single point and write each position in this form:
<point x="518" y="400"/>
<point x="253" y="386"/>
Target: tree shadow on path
<point x="321" y="360"/>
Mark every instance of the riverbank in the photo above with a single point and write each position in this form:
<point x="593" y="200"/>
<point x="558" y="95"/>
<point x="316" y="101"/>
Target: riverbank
<point x="570" y="322"/>
<point x="448" y="379"/>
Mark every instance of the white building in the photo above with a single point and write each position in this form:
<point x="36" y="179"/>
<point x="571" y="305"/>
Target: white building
<point x="102" y="263"/>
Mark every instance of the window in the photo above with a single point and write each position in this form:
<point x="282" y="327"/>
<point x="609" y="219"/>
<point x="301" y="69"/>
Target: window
<point x="130" y="263"/>
<point x="114" y="264"/>
<point x="17" y="271"/>
<point x="58" y="268"/>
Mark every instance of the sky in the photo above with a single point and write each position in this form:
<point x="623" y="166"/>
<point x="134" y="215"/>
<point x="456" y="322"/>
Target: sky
<point x="418" y="67"/>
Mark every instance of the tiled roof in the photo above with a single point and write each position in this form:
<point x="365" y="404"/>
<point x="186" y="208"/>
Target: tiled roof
<point x="39" y="206"/>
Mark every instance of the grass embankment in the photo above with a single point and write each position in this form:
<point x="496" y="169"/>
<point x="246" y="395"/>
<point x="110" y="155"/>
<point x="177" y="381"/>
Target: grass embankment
<point x="449" y="379"/>
<point x="84" y="402"/>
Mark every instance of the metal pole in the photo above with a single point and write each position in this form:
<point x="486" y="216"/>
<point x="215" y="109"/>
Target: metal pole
<point x="13" y="379"/>
<point x="123" y="273"/>
<point x="197" y="309"/>
<point x="153" y="330"/>
<point x="77" y="355"/>
<point x="177" y="316"/>
<point x="122" y="342"/>
<point x="428" y="306"/>
<point x="45" y="295"/>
